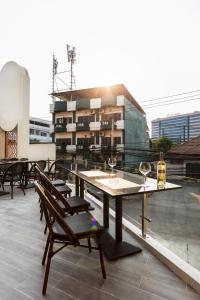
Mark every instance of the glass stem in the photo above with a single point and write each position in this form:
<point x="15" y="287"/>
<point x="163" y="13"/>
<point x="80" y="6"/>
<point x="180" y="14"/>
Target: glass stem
<point x="145" y="177"/>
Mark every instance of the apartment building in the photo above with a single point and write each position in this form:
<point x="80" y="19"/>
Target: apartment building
<point x="179" y="128"/>
<point x="40" y="130"/>
<point x="92" y="122"/>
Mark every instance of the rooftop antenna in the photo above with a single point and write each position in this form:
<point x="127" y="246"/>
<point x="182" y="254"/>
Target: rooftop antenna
<point x="71" y="56"/>
<point x="54" y="72"/>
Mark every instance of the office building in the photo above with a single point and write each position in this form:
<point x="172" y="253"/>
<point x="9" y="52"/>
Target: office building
<point x="178" y="128"/>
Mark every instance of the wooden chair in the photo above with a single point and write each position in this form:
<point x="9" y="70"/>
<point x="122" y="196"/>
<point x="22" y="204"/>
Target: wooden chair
<point x="67" y="231"/>
<point x="70" y="205"/>
<point x="61" y="186"/>
<point x="14" y="176"/>
<point x="54" y="169"/>
<point x="31" y="174"/>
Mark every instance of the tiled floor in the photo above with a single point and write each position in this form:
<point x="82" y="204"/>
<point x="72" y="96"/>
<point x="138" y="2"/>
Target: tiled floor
<point x="74" y="274"/>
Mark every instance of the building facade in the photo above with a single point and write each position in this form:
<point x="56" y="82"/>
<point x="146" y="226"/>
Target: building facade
<point x="92" y="122"/>
<point x="40" y="131"/>
<point x="178" y="128"/>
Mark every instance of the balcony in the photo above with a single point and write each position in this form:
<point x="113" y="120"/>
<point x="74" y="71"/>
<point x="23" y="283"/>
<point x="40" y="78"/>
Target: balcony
<point x="60" y="106"/>
<point x="71" y="105"/>
<point x="95" y="148"/>
<point x="119" y="124"/>
<point x="82" y="127"/>
<point x="71" y="148"/>
<point x="119" y="148"/>
<point x="120" y="100"/>
<point x="51" y="108"/>
<point x="95" y="126"/>
<point x="60" y="127"/>
<point x="71" y="127"/>
<point x="82" y="104"/>
<point x="95" y="103"/>
<point x="106" y="125"/>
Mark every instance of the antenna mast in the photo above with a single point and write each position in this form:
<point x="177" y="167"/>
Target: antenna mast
<point x="71" y="56"/>
<point x="54" y="72"/>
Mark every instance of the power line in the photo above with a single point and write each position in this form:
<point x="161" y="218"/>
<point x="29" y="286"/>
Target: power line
<point x="174" y="95"/>
<point x="169" y="103"/>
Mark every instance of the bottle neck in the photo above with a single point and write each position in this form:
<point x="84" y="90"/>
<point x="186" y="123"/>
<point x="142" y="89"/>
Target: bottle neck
<point x="161" y="156"/>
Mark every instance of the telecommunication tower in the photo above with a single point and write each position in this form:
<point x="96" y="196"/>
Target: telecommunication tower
<point x="71" y="56"/>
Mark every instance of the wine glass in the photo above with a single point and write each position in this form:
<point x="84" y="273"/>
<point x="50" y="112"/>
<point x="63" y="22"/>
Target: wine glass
<point x="112" y="161"/>
<point x="145" y="168"/>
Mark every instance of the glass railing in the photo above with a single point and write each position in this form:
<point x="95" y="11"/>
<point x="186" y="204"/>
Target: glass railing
<point x="174" y="214"/>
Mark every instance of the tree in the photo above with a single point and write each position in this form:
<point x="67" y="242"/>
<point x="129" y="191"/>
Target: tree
<point x="163" y="144"/>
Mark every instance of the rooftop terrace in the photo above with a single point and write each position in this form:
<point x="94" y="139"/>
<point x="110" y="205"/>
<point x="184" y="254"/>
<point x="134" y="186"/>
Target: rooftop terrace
<point x="75" y="274"/>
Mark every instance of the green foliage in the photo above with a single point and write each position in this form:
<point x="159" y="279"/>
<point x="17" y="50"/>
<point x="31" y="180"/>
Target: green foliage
<point x="163" y="144"/>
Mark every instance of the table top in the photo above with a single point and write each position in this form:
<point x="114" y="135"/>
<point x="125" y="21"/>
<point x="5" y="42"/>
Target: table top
<point x="118" y="183"/>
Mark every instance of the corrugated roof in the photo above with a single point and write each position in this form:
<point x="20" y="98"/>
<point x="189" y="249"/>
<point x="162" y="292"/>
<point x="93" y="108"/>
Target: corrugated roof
<point x="97" y="92"/>
<point x="191" y="147"/>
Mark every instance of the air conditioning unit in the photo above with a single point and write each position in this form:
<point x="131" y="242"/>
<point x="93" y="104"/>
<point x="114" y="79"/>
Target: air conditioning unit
<point x="91" y="133"/>
<point x="102" y="133"/>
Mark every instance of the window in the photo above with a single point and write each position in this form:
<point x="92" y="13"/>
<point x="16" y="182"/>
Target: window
<point x="117" y="140"/>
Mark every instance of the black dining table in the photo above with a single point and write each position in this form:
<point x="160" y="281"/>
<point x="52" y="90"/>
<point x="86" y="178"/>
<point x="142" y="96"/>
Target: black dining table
<point x="115" y="185"/>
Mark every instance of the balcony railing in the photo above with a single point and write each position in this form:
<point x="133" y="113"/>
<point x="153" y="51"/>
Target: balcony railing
<point x="106" y="125"/>
<point x="60" y="106"/>
<point x="71" y="105"/>
<point x="120" y="147"/>
<point x="82" y="126"/>
<point x="119" y="124"/>
<point x="71" y="148"/>
<point x="71" y="127"/>
<point x="95" y="126"/>
<point x="60" y="128"/>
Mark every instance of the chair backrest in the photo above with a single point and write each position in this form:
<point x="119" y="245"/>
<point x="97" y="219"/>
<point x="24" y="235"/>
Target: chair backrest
<point x="51" y="211"/>
<point x="15" y="169"/>
<point x="44" y="180"/>
<point x="54" y="166"/>
<point x="42" y="164"/>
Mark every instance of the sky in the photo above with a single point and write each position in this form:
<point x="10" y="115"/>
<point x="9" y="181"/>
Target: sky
<point x="151" y="46"/>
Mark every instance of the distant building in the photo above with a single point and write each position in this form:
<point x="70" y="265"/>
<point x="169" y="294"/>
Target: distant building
<point x="91" y="122"/>
<point x="178" y="128"/>
<point x="187" y="154"/>
<point x="40" y="130"/>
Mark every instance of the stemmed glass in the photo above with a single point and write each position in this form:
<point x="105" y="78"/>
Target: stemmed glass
<point x="145" y="168"/>
<point x="112" y="162"/>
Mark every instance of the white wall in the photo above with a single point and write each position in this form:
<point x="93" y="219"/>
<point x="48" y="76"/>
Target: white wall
<point x="14" y="103"/>
<point x="42" y="151"/>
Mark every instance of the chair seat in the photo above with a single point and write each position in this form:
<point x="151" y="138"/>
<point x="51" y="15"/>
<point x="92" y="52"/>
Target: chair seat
<point x="64" y="189"/>
<point x="77" y="201"/>
<point x="82" y="225"/>
<point x="58" y="182"/>
<point x="76" y="204"/>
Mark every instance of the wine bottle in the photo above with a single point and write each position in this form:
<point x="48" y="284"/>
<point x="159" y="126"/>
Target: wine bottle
<point x="161" y="172"/>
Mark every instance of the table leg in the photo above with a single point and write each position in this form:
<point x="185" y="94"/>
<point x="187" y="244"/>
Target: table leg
<point x="81" y="188"/>
<point x="118" y="221"/>
<point x="105" y="210"/>
<point x="144" y="215"/>
<point x="77" y="185"/>
<point x="116" y="248"/>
